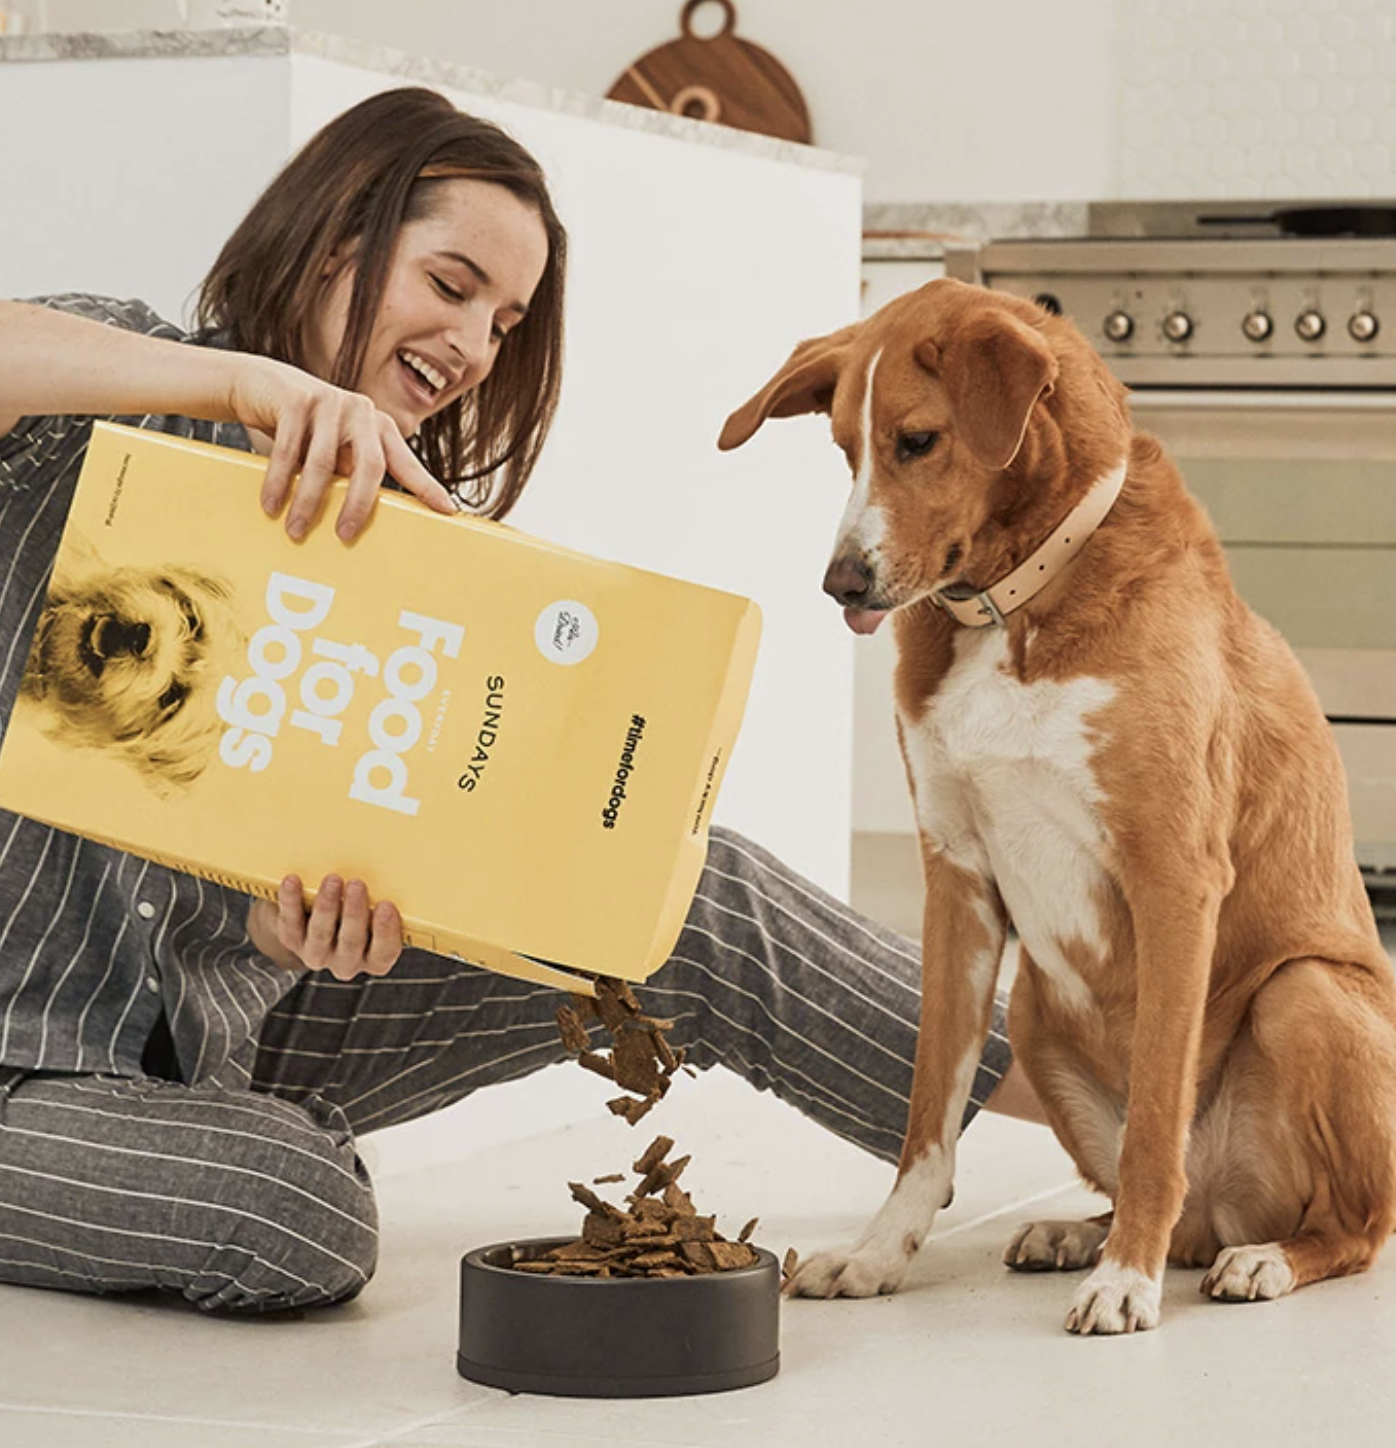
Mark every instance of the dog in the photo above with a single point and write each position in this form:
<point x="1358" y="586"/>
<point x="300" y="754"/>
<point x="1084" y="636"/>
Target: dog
<point x="1110" y="753"/>
<point x="123" y="660"/>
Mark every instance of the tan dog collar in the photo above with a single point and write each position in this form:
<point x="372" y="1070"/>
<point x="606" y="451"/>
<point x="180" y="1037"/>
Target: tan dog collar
<point x="1044" y="564"/>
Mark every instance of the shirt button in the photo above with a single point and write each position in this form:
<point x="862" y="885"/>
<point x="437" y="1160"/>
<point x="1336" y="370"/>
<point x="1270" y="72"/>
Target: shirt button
<point x="145" y="910"/>
<point x="152" y="983"/>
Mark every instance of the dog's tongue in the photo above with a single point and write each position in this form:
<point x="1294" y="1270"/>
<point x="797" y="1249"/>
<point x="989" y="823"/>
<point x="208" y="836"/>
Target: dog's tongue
<point x="864" y="620"/>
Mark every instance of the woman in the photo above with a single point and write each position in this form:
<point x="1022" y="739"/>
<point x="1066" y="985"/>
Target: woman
<point x="182" y="1074"/>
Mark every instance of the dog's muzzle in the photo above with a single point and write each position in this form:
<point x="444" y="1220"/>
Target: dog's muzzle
<point x="110" y="638"/>
<point x="850" y="581"/>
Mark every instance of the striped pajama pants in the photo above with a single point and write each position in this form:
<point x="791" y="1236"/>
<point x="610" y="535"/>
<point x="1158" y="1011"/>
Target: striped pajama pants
<point x="257" y="1200"/>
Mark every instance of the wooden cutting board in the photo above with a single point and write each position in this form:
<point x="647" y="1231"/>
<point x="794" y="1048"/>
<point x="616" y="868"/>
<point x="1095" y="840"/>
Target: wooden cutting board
<point x="721" y="78"/>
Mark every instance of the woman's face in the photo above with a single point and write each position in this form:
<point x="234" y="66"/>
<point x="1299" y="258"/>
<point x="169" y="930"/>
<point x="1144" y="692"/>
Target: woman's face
<point x="459" y="280"/>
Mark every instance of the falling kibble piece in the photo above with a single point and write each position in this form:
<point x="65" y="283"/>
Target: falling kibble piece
<point x="640" y="1061"/>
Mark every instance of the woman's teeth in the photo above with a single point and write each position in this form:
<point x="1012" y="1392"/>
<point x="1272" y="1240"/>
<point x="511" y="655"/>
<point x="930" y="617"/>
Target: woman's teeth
<point x="424" y="369"/>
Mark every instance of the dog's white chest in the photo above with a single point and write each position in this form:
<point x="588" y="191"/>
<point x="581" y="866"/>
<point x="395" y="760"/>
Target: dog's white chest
<point x="1005" y="786"/>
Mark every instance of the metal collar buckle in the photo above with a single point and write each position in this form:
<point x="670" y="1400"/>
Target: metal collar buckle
<point x="989" y="607"/>
<point x="989" y="611"/>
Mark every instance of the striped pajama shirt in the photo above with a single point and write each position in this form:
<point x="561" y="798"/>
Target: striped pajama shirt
<point x="177" y="1112"/>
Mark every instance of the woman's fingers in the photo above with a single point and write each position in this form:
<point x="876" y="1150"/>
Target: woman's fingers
<point x="385" y="940"/>
<point x="320" y="432"/>
<point x="343" y="933"/>
<point x="364" y="446"/>
<point x="287" y="451"/>
<point x="323" y="925"/>
<point x="407" y="468"/>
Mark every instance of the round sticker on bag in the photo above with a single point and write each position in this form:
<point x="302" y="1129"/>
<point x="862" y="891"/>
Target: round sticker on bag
<point x="566" y="632"/>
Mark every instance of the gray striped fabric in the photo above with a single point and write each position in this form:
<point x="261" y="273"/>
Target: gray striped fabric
<point x="236" y="1183"/>
<point x="254" y="1200"/>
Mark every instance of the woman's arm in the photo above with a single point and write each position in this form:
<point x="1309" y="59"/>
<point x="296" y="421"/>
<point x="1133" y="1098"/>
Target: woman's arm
<point x="52" y="363"/>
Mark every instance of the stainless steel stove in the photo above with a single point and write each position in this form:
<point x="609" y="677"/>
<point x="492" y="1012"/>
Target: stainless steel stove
<point x="1259" y="341"/>
<point x="1219" y="294"/>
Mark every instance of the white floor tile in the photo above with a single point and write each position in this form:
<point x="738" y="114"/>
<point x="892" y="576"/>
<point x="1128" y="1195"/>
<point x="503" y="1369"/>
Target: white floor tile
<point x="968" y="1353"/>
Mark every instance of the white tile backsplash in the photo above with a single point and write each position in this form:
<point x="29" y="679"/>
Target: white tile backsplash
<point x="1288" y="98"/>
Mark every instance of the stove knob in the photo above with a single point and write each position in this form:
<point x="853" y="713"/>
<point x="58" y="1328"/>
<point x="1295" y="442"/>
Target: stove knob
<point x="1363" y="326"/>
<point x="1119" y="326"/>
<point x="1257" y="326"/>
<point x="1310" y="325"/>
<point x="1177" y="326"/>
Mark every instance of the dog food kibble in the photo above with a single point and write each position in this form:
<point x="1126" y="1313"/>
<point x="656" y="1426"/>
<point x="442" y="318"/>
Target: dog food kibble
<point x="659" y="1234"/>
<point x="640" y="1061"/>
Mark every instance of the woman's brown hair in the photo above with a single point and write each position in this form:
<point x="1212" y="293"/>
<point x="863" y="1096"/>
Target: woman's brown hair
<point x="346" y="194"/>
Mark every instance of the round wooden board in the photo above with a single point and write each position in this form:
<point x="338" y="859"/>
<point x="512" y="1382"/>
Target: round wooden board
<point x="723" y="79"/>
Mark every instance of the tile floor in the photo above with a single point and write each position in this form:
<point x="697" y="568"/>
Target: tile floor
<point x="968" y="1354"/>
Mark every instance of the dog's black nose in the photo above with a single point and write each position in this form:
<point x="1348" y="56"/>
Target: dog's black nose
<point x="114" y="637"/>
<point x="849" y="581"/>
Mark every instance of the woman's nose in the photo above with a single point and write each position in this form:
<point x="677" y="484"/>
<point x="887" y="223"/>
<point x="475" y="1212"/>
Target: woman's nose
<point x="469" y="337"/>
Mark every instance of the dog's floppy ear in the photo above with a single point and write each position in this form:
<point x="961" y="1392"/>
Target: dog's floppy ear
<point x="994" y="368"/>
<point x="804" y="384"/>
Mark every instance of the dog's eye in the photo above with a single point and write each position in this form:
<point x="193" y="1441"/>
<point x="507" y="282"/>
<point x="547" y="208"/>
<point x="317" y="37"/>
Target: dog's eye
<point x="915" y="444"/>
<point x="173" y="697"/>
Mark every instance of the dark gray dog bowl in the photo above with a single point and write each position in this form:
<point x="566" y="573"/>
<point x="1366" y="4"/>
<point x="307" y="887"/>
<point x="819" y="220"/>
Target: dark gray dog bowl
<point x="615" y="1337"/>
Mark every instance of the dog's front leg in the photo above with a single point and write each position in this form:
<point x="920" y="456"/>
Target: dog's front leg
<point x="1175" y="924"/>
<point x="961" y="948"/>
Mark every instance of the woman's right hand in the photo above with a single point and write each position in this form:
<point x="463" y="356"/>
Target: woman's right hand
<point x="317" y="432"/>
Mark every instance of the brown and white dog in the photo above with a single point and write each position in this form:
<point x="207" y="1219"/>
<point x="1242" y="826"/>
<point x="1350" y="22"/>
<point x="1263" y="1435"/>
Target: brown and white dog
<point x="1108" y="751"/>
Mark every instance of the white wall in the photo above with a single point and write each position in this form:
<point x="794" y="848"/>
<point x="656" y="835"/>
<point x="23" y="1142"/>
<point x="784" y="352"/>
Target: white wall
<point x="994" y="100"/>
<point x="1003" y="100"/>
<point x="109" y="193"/>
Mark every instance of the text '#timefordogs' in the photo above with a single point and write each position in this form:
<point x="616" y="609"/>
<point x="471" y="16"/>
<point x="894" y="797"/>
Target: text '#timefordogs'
<point x="256" y="709"/>
<point x="624" y="769"/>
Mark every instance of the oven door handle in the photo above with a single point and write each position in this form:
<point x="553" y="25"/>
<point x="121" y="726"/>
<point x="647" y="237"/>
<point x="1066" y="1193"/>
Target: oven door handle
<point x="1228" y="399"/>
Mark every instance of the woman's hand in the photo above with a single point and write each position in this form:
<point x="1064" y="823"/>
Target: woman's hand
<point x="340" y="934"/>
<point x="321" y="432"/>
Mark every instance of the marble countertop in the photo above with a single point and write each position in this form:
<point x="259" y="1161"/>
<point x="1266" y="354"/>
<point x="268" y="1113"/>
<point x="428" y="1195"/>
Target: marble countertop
<point x="917" y="230"/>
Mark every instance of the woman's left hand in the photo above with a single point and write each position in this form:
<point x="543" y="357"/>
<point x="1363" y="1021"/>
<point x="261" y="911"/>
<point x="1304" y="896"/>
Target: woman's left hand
<point x="341" y="933"/>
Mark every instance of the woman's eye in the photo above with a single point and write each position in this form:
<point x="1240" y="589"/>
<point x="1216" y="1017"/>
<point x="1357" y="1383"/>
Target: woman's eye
<point x="446" y="289"/>
<point x="915" y="444"/>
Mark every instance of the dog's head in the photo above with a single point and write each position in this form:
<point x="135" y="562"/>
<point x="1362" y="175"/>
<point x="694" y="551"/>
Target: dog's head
<point x="971" y="420"/>
<point x="128" y="660"/>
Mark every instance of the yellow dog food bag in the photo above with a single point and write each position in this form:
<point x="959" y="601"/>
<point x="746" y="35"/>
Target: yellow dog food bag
<point x="517" y="744"/>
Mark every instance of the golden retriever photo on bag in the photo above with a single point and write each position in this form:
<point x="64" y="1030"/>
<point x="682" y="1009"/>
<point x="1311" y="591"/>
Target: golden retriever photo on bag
<point x="126" y="660"/>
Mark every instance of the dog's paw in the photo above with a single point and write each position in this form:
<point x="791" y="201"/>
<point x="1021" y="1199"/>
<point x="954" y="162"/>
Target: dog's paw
<point x="1056" y="1246"/>
<point x="1115" y="1299"/>
<point x="851" y="1272"/>
<point x="1249" y="1274"/>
